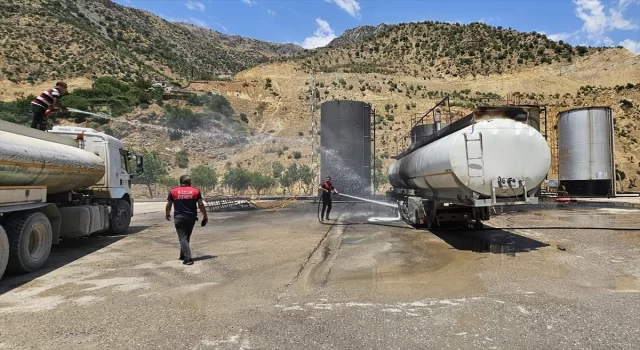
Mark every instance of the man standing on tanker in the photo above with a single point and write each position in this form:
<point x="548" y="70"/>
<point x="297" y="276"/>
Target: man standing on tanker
<point x="48" y="100"/>
<point x="327" y="188"/>
<point x="185" y="197"/>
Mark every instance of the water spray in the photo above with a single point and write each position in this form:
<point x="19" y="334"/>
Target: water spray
<point x="374" y="219"/>
<point x="257" y="139"/>
<point x="390" y="205"/>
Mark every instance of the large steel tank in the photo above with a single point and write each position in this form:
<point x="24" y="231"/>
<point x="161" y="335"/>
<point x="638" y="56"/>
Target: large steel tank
<point x="28" y="161"/>
<point x="585" y="151"/>
<point x="455" y="166"/>
<point x="423" y="130"/>
<point x="345" y="138"/>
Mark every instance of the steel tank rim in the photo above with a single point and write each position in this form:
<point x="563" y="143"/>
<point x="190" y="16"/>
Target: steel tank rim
<point x="568" y="111"/>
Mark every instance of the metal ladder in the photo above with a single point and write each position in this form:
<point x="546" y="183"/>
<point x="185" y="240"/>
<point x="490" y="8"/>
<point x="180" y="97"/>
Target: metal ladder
<point x="479" y="172"/>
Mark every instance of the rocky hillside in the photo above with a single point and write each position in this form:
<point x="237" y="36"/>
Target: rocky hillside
<point x="437" y="50"/>
<point x="402" y="70"/>
<point x="89" y="38"/>
<point x="358" y="35"/>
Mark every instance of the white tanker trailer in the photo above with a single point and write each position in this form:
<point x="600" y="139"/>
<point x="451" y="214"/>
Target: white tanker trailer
<point x="69" y="182"/>
<point x="488" y="158"/>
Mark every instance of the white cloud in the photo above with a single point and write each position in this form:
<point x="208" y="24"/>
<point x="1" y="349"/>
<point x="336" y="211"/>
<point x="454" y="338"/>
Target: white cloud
<point x="248" y="2"/>
<point x="194" y="5"/>
<point x="633" y="46"/>
<point x="192" y="20"/>
<point x="597" y="22"/>
<point x="321" y="37"/>
<point x="485" y="20"/>
<point x="351" y="6"/>
<point x="271" y="12"/>
<point x="198" y="22"/>
<point x="561" y="36"/>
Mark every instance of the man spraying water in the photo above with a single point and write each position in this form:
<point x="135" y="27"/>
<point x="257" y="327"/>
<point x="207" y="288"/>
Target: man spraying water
<point x="327" y="188"/>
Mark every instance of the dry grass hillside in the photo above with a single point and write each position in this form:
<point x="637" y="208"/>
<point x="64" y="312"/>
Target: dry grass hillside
<point x="89" y="38"/>
<point x="402" y="70"/>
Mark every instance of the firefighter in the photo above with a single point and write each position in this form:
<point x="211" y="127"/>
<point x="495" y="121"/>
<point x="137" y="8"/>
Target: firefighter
<point x="327" y="188"/>
<point x="186" y="201"/>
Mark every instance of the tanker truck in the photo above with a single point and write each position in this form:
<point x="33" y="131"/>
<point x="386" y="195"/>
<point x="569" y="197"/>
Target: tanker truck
<point x="489" y="158"/>
<point x="66" y="183"/>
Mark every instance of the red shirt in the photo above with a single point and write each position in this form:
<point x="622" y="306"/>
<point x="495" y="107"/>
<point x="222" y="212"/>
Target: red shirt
<point x="185" y="201"/>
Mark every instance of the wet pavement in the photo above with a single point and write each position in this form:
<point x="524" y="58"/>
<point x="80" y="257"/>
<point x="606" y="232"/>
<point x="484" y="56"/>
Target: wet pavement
<point x="278" y="279"/>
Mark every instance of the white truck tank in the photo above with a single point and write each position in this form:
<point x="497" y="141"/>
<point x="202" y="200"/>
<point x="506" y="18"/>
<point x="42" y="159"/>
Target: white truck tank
<point x="30" y="161"/>
<point x="455" y="166"/>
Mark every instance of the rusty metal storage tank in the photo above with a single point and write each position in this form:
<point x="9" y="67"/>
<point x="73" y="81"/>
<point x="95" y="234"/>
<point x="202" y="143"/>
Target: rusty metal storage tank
<point x="345" y="138"/>
<point x="423" y="130"/>
<point x="585" y="152"/>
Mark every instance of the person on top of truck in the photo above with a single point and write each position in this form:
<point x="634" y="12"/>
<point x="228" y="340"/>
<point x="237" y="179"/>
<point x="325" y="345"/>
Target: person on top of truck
<point x="48" y="99"/>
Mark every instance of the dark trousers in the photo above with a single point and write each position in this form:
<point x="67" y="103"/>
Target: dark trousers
<point x="184" y="227"/>
<point x="326" y="204"/>
<point x="38" y="116"/>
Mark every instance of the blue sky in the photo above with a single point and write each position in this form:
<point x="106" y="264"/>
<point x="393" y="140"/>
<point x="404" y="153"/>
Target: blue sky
<point x="313" y="23"/>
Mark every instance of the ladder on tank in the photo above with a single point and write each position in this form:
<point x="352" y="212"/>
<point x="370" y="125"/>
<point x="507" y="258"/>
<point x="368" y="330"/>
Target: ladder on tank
<point x="475" y="156"/>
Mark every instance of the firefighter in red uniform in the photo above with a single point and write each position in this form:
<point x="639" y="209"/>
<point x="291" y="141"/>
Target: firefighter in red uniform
<point x="185" y="213"/>
<point x="327" y="188"/>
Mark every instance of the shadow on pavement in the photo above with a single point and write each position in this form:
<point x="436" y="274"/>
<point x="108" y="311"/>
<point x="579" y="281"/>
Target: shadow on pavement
<point x="488" y="240"/>
<point x="204" y="257"/>
<point x="64" y="253"/>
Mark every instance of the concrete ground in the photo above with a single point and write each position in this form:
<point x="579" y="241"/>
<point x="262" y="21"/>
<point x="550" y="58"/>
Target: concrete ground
<point x="278" y="279"/>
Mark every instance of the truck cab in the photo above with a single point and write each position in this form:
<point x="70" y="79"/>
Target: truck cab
<point x="69" y="182"/>
<point x="116" y="183"/>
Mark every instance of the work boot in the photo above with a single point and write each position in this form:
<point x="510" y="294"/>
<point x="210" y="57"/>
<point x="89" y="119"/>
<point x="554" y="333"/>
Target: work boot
<point x="188" y="261"/>
<point x="327" y="218"/>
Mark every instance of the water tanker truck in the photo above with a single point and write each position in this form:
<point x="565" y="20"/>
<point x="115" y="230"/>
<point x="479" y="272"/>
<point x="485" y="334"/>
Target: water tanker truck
<point x="66" y="183"/>
<point x="489" y="158"/>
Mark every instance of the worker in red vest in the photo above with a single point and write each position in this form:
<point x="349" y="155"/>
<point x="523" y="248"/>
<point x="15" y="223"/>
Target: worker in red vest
<point x="327" y="188"/>
<point x="187" y="200"/>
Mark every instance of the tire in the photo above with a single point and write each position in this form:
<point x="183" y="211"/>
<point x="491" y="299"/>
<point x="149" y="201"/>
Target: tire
<point x="120" y="218"/>
<point x="30" y="238"/>
<point x="4" y="251"/>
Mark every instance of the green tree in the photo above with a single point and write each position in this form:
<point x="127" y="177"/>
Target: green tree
<point x="154" y="168"/>
<point x="167" y="182"/>
<point x="237" y="179"/>
<point x="306" y="178"/>
<point x="260" y="181"/>
<point x="204" y="178"/>
<point x="182" y="159"/>
<point x="278" y="168"/>
<point x="380" y="178"/>
<point x="289" y="177"/>
<point x="18" y="111"/>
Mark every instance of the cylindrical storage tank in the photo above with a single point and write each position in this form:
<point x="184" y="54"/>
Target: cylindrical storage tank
<point x="27" y="161"/>
<point x="533" y="116"/>
<point x="423" y="130"/>
<point x="454" y="167"/>
<point x="345" y="139"/>
<point x="585" y="151"/>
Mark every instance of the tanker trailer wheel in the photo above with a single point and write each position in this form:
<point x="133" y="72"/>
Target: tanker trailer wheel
<point x="120" y="218"/>
<point x="4" y="251"/>
<point x="30" y="238"/>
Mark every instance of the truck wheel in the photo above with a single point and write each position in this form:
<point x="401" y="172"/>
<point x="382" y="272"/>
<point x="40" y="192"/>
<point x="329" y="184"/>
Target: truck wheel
<point x="30" y="237"/>
<point x="120" y="218"/>
<point x="4" y="251"/>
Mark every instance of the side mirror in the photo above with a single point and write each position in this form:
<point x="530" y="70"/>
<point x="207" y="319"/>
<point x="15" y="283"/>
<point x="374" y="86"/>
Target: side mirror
<point x="139" y="165"/>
